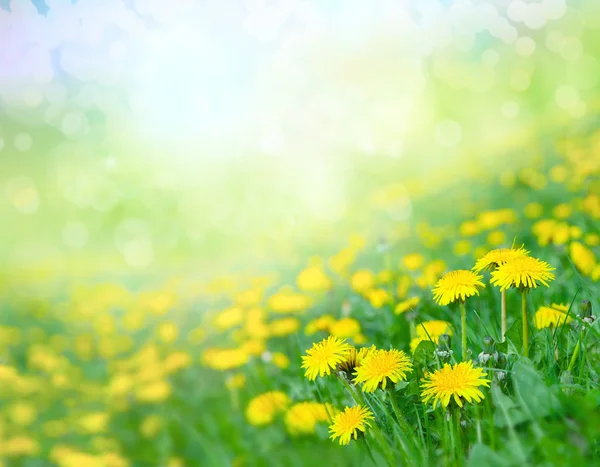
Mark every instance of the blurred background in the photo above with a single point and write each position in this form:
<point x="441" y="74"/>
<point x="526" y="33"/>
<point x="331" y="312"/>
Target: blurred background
<point x="145" y="134"/>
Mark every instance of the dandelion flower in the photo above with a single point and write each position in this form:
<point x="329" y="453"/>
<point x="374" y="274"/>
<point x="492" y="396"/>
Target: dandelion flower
<point x="345" y="328"/>
<point x="406" y="305"/>
<point x="552" y="316"/>
<point x="457" y="286"/>
<point x="523" y="272"/>
<point x="433" y="328"/>
<point x="353" y="359"/>
<point x="302" y="417"/>
<point x="324" y="356"/>
<point x="381" y="366"/>
<point x="496" y="257"/>
<point x="582" y="257"/>
<point x="262" y="409"/>
<point x="460" y="382"/>
<point x="351" y="423"/>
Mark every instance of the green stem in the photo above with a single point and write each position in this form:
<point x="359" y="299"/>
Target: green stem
<point x="503" y="313"/>
<point x="401" y="420"/>
<point x="575" y="352"/>
<point x="525" y="323"/>
<point x="463" y="321"/>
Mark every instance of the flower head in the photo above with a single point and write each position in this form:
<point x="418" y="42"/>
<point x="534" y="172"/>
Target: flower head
<point x="524" y="272"/>
<point x="262" y="409"/>
<point x="457" y="286"/>
<point x="406" y="305"/>
<point x="350" y="423"/>
<point x="459" y="381"/>
<point x="353" y="359"/>
<point x="302" y="417"/>
<point x="324" y="356"/>
<point x="495" y="258"/>
<point x="552" y="316"/>
<point x="380" y="366"/>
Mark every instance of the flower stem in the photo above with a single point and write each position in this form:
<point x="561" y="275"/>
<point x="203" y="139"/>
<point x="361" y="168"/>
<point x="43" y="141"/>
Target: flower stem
<point x="401" y="420"/>
<point x="525" y="323"/>
<point x="463" y="321"/>
<point x="503" y="313"/>
<point x="575" y="352"/>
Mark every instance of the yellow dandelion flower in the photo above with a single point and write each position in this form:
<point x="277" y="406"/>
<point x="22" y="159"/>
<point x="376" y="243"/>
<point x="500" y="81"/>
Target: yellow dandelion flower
<point x="354" y="358"/>
<point x="362" y="281"/>
<point x="378" y="297"/>
<point x="552" y="316"/>
<point x="351" y="423"/>
<point x="583" y="258"/>
<point x="324" y="356"/>
<point x="524" y="272"/>
<point x="433" y="328"/>
<point x="406" y="305"/>
<point x="283" y="327"/>
<point x="302" y="417"/>
<point x="496" y="257"/>
<point x="457" y="286"/>
<point x="381" y="366"/>
<point x="262" y="409"/>
<point x="345" y="327"/>
<point x="413" y="261"/>
<point x="322" y="323"/>
<point x="280" y="360"/>
<point x="459" y="381"/>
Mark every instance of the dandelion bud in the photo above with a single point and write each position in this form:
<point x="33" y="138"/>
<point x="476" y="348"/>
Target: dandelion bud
<point x="444" y="342"/>
<point x="489" y="346"/>
<point x="500" y="375"/>
<point x="585" y="309"/>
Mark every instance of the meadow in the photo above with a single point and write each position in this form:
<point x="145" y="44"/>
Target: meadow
<point x="299" y="233"/>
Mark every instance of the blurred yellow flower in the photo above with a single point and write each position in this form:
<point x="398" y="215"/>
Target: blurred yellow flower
<point x="583" y="258"/>
<point x="229" y="318"/>
<point x="406" y="305"/>
<point x="469" y="228"/>
<point x="496" y="237"/>
<point x="362" y="281"/>
<point x="404" y="284"/>
<point x="433" y="328"/>
<point x="176" y="361"/>
<point x="19" y="446"/>
<point x="236" y="381"/>
<point x="283" y="327"/>
<point x="224" y="359"/>
<point x="345" y="328"/>
<point x="322" y="323"/>
<point x="249" y="297"/>
<point x="287" y="301"/>
<point x="262" y="409"/>
<point x="413" y="261"/>
<point x="96" y="422"/>
<point x="151" y="426"/>
<point x="533" y="210"/>
<point x="280" y="360"/>
<point x="562" y="211"/>
<point x="462" y="247"/>
<point x="302" y="417"/>
<point x="22" y="413"/>
<point x="168" y="332"/>
<point x="552" y="316"/>
<point x="155" y="392"/>
<point x="313" y="279"/>
<point x="379" y="297"/>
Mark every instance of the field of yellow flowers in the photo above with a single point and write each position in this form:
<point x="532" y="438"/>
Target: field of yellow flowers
<point x="468" y="338"/>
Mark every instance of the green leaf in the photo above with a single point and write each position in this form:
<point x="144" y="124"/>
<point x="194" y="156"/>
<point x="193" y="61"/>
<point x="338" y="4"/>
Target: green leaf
<point x="507" y="412"/>
<point x="424" y="354"/>
<point x="484" y="455"/>
<point x="537" y="398"/>
<point x="514" y="335"/>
